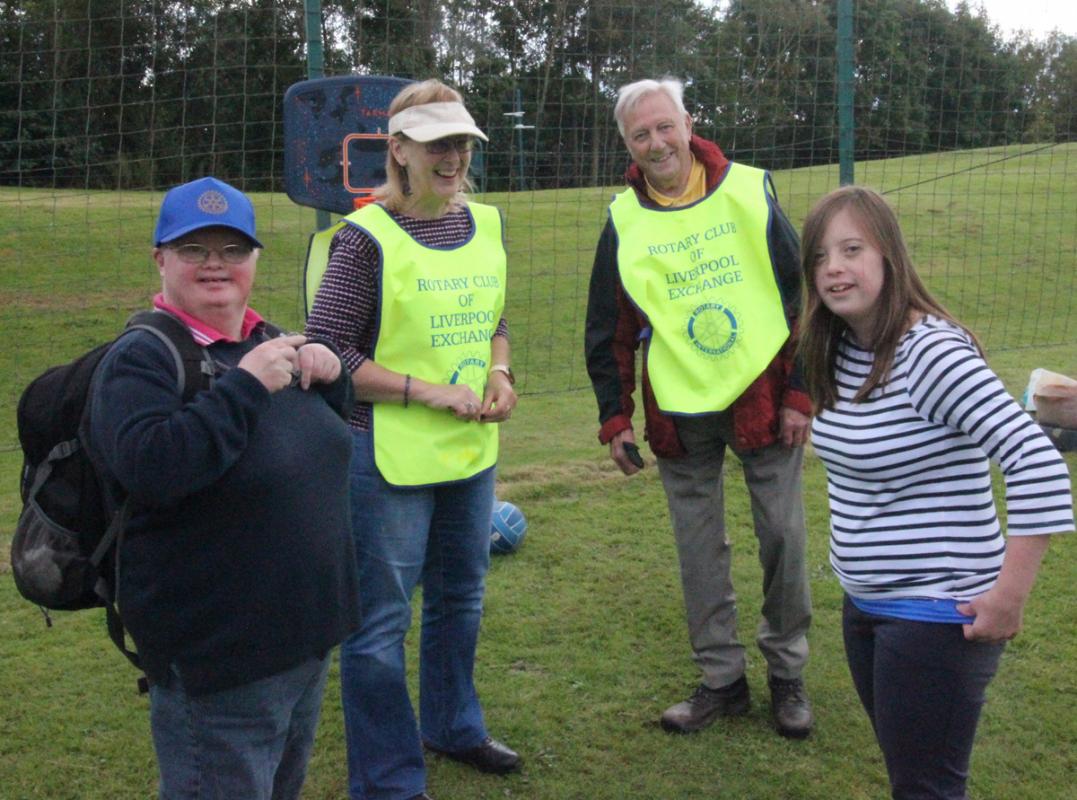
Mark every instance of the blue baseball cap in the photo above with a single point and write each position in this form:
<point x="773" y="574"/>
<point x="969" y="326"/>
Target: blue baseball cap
<point x="204" y="203"/>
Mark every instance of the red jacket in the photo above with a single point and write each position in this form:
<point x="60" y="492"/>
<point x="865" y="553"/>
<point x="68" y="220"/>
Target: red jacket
<point x="614" y="327"/>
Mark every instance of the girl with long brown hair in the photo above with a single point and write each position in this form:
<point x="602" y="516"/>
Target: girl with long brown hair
<point x="907" y="416"/>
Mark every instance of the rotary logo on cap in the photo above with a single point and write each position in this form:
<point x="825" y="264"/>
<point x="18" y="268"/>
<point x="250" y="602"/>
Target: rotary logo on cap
<point x="204" y="203"/>
<point x="212" y="202"/>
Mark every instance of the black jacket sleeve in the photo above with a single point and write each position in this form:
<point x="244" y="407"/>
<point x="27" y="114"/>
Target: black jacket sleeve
<point x="611" y="335"/>
<point x="784" y="245"/>
<point x="785" y="255"/>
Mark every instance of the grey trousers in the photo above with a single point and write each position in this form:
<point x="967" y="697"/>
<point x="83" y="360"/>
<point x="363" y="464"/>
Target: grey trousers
<point x="694" y="491"/>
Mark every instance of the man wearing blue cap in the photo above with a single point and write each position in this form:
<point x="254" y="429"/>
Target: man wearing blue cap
<point x="236" y="570"/>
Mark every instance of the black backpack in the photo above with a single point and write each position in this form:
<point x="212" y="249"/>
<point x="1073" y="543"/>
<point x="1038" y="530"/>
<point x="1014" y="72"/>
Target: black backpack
<point x="64" y="551"/>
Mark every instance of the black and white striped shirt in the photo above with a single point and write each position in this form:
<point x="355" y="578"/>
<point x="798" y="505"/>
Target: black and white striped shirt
<point x="912" y="512"/>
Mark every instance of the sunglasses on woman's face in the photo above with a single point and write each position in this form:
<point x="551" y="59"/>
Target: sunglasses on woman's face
<point x="440" y="147"/>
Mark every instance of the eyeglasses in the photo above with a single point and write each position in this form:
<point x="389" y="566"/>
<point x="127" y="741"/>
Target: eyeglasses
<point x="192" y="253"/>
<point x="441" y="147"/>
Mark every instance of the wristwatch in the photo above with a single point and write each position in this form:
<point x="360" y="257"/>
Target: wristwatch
<point x="507" y="370"/>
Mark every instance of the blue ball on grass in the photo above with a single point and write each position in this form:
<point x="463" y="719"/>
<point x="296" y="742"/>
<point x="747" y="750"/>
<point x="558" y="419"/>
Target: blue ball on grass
<point x="508" y="527"/>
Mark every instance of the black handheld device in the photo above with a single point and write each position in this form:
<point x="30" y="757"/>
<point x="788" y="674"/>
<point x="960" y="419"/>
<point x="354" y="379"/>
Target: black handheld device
<point x="633" y="454"/>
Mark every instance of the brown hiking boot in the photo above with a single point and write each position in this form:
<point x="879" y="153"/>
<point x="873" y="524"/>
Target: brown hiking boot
<point x="790" y="708"/>
<point x="706" y="705"/>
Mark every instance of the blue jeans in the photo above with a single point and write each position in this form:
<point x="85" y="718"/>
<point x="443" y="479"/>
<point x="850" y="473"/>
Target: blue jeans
<point x="253" y="741"/>
<point x="923" y="685"/>
<point x="439" y="535"/>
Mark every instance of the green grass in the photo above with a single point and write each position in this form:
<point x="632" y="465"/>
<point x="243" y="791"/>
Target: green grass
<point x="997" y="242"/>
<point x="584" y="642"/>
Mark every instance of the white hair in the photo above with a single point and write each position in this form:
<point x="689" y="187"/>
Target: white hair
<point x="630" y="95"/>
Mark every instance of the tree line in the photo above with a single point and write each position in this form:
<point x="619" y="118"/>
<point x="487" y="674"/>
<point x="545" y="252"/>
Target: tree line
<point x="147" y="93"/>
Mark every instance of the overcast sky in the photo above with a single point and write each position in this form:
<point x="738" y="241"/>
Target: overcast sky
<point x="1038" y="16"/>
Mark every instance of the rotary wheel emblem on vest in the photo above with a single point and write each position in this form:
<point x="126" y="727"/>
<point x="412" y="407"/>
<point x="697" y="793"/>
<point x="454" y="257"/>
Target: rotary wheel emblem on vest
<point x="471" y="371"/>
<point x="713" y="329"/>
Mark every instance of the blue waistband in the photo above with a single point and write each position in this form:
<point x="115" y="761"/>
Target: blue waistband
<point x="918" y="609"/>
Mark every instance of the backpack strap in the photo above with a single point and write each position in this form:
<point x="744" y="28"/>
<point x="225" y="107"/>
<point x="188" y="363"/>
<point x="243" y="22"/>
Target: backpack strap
<point x="271" y="331"/>
<point x="116" y="632"/>
<point x="61" y="451"/>
<point x="194" y="366"/>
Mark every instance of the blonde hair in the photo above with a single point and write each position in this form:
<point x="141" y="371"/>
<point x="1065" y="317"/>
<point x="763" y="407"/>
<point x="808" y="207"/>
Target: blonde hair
<point x="630" y="95"/>
<point x="394" y="193"/>
<point x="902" y="293"/>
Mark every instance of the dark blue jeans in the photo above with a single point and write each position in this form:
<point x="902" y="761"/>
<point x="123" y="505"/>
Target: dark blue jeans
<point x="439" y="535"/>
<point x="923" y="685"/>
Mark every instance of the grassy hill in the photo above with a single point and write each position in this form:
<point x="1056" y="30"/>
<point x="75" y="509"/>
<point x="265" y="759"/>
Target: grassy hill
<point x="583" y="642"/>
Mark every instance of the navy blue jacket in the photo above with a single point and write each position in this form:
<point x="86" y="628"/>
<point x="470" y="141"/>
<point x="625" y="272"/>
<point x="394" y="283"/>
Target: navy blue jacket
<point x="237" y="562"/>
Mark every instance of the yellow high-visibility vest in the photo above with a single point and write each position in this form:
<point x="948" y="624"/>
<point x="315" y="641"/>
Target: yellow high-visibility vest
<point x="438" y="310"/>
<point x="703" y="277"/>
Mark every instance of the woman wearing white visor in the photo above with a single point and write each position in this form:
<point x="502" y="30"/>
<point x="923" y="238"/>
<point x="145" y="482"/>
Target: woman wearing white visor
<point x="413" y="295"/>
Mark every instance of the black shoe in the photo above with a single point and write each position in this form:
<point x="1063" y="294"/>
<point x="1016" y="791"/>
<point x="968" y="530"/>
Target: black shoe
<point x="491" y="756"/>
<point x="790" y="708"/>
<point x="706" y="705"/>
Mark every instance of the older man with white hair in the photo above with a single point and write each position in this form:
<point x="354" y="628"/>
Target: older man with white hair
<point x="698" y="263"/>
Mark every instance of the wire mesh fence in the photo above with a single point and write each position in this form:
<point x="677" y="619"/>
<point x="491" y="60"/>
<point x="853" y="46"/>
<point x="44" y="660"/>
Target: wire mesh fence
<point x="105" y="104"/>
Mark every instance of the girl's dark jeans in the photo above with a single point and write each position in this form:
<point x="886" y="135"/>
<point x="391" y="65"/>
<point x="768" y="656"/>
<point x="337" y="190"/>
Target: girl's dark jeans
<point x="923" y="685"/>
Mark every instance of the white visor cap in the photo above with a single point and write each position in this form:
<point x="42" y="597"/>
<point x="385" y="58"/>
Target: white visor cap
<point x="432" y="121"/>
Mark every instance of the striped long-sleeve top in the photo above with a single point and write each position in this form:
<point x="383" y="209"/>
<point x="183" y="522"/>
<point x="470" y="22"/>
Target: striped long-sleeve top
<point x="911" y="506"/>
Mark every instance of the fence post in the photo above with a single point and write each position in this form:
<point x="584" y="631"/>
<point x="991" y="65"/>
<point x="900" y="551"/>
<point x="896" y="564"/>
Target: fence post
<point x="315" y="69"/>
<point x="846" y="129"/>
<point x="518" y="107"/>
